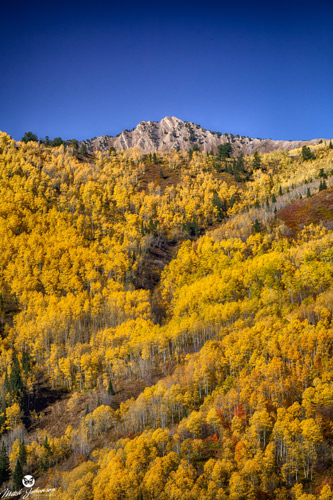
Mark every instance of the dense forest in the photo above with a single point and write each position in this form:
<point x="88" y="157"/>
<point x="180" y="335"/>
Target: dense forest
<point x="166" y="323"/>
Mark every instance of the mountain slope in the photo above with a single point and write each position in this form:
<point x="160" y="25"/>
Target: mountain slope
<point x="163" y="333"/>
<point x="171" y="133"/>
<point x="309" y="210"/>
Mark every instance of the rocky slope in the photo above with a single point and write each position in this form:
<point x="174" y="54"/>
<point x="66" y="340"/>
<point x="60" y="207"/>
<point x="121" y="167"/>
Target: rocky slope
<point x="171" y="133"/>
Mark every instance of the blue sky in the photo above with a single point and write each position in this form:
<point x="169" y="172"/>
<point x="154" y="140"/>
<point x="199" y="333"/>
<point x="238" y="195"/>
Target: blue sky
<point x="91" y="68"/>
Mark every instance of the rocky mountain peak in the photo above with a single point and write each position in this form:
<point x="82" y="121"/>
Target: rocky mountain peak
<point x="172" y="133"/>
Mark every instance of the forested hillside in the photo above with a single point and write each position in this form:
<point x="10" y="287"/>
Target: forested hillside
<point x="166" y="323"/>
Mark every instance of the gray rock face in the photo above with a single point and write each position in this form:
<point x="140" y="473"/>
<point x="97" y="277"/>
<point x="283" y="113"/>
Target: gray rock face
<point x="171" y="133"/>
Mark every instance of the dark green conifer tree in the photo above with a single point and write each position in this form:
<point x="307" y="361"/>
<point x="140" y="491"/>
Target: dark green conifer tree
<point x="29" y="137"/>
<point x="22" y="454"/>
<point x="322" y="185"/>
<point x="256" y="160"/>
<point x="83" y="150"/>
<point x="110" y="389"/>
<point x="15" y="381"/>
<point x="18" y="475"/>
<point x="4" y="465"/>
<point x="26" y="363"/>
<point x="256" y="226"/>
<point x="224" y="150"/>
<point x="307" y="153"/>
<point x="6" y="383"/>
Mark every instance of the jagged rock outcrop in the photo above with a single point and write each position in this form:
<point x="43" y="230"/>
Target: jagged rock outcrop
<point x="171" y="133"/>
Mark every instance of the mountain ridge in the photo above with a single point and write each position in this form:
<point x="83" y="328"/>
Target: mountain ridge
<point x="172" y="133"/>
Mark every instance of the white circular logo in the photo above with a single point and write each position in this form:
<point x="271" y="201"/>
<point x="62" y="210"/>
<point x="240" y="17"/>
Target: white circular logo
<point x="28" y="481"/>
